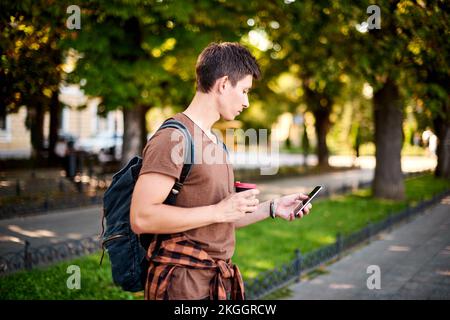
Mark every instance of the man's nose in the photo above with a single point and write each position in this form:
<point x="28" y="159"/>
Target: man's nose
<point x="246" y="103"/>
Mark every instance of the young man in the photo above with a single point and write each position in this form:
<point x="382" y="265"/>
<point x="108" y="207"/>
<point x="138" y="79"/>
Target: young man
<point x="197" y="236"/>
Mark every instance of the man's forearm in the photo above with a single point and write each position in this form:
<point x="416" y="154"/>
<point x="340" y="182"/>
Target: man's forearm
<point x="260" y="214"/>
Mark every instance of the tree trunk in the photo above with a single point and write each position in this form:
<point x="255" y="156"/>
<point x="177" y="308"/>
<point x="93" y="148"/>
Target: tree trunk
<point x="322" y="126"/>
<point x="320" y="105"/>
<point x="35" y="119"/>
<point x="55" y="115"/>
<point x="442" y="129"/>
<point x="135" y="132"/>
<point x="388" y="115"/>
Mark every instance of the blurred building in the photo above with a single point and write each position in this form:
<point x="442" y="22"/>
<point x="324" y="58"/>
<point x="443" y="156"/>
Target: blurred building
<point x="79" y="122"/>
<point x="14" y="136"/>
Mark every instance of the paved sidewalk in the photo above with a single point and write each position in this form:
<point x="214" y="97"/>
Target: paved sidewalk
<point x="80" y="223"/>
<point x="331" y="181"/>
<point x="414" y="262"/>
<point x="70" y="224"/>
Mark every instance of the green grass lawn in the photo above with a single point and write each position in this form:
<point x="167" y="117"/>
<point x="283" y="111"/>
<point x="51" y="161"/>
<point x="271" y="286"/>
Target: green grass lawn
<point x="260" y="247"/>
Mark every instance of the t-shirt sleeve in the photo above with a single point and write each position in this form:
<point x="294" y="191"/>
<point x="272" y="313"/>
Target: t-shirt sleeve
<point x="164" y="153"/>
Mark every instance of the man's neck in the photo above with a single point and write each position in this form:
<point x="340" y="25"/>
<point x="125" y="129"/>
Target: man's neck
<point x="202" y="110"/>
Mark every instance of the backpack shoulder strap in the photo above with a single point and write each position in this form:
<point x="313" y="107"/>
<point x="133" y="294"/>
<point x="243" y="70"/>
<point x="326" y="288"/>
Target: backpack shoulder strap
<point x="146" y="239"/>
<point x="189" y="157"/>
<point x="224" y="146"/>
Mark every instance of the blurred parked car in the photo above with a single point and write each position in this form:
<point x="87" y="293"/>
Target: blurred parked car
<point x="62" y="136"/>
<point x="103" y="143"/>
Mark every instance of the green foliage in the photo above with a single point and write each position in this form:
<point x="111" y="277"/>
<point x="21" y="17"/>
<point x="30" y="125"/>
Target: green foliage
<point x="307" y="43"/>
<point x="411" y="47"/>
<point x="144" y="53"/>
<point x="30" y="68"/>
<point x="429" y="52"/>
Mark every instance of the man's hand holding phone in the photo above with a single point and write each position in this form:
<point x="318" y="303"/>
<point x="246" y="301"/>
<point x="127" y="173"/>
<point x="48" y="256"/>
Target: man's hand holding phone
<point x="295" y="205"/>
<point x="284" y="206"/>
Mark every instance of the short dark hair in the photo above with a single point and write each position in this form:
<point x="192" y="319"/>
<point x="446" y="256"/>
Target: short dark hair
<point x="224" y="59"/>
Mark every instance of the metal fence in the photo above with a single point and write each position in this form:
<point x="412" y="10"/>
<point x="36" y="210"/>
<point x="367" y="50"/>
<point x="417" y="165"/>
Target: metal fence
<point x="272" y="280"/>
<point x="58" y="194"/>
<point x="69" y="201"/>
<point x="29" y="257"/>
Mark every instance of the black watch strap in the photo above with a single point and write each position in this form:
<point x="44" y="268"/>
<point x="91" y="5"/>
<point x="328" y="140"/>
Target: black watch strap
<point x="272" y="209"/>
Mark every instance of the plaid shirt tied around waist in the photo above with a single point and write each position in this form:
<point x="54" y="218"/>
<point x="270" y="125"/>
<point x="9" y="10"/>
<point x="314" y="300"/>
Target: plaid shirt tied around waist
<point x="179" y="251"/>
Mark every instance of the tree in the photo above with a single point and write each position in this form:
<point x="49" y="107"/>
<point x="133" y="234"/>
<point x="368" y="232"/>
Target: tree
<point x="30" y="70"/>
<point x="377" y="55"/>
<point x="357" y="140"/>
<point x="398" y="60"/>
<point x="138" y="55"/>
<point x="429" y="51"/>
<point x="306" y="42"/>
<point x="305" y="145"/>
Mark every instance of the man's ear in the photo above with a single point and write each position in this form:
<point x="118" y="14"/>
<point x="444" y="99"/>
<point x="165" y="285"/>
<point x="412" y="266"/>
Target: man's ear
<point x="222" y="83"/>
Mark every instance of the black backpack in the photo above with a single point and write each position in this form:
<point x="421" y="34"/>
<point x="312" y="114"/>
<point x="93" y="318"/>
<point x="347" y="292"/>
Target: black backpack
<point x="128" y="251"/>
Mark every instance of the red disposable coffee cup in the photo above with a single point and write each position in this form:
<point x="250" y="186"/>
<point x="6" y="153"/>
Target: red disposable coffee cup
<point x="241" y="186"/>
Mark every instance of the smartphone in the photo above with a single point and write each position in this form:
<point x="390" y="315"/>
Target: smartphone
<point x="311" y="196"/>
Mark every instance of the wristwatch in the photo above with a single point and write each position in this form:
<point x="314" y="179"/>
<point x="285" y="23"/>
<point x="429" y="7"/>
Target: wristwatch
<point x="272" y="209"/>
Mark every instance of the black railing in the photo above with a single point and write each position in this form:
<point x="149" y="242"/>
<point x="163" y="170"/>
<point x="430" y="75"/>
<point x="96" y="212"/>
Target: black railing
<point x="29" y="257"/>
<point x="47" y="204"/>
<point x="47" y="191"/>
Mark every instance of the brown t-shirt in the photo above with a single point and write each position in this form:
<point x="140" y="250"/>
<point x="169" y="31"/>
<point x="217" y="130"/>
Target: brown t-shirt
<point x="208" y="183"/>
